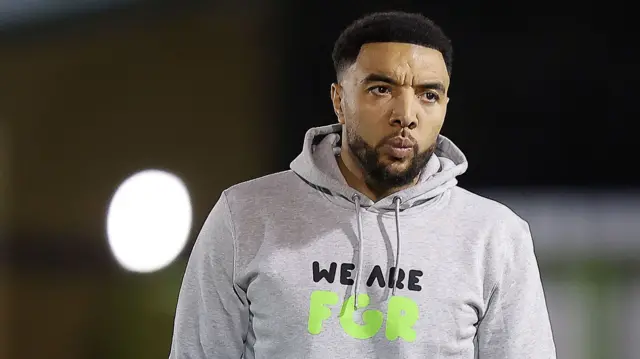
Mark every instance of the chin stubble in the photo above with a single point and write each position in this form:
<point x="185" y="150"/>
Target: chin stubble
<point x="378" y="177"/>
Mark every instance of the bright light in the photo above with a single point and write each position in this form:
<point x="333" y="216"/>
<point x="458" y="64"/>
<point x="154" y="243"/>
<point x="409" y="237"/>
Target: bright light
<point x="149" y="220"/>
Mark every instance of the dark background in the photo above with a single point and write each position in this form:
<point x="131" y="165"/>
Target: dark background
<point x="540" y="95"/>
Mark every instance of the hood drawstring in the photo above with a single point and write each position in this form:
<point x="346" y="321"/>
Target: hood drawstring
<point x="397" y="201"/>
<point x="396" y="269"/>
<point x="356" y="291"/>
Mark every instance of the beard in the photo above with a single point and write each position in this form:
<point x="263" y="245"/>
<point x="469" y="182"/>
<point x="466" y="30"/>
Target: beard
<point x="381" y="177"/>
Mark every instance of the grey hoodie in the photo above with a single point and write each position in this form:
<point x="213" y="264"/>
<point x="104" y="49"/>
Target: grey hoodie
<point x="298" y="265"/>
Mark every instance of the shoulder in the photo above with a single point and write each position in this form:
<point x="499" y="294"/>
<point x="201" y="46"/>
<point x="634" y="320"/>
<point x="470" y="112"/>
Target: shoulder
<point x="274" y="184"/>
<point x="505" y="236"/>
<point x="271" y="191"/>
<point x="482" y="208"/>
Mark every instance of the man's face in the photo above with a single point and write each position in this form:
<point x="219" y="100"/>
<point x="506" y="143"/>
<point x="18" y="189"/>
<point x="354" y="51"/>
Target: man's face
<point x="392" y="102"/>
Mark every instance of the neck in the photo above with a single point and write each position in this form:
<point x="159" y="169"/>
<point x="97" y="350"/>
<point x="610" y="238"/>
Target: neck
<point x="355" y="177"/>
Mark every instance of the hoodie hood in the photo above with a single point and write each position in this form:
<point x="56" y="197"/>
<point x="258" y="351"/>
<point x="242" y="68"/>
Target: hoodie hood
<point x="317" y="165"/>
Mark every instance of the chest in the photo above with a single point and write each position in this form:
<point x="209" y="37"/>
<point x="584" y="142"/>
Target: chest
<point x="310" y="285"/>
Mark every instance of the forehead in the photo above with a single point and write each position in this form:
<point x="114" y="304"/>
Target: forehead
<point x="402" y="61"/>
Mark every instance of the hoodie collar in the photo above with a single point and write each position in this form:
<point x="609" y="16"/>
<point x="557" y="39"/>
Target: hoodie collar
<point x="318" y="166"/>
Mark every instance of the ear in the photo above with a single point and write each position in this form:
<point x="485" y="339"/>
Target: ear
<point x="446" y="106"/>
<point x="336" y="99"/>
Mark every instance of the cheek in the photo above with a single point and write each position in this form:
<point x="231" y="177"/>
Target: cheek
<point x="374" y="115"/>
<point x="431" y="122"/>
<point x="354" y="112"/>
<point x="366" y="117"/>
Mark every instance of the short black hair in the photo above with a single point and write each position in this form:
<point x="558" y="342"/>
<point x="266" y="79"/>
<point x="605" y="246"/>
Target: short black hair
<point x="395" y="26"/>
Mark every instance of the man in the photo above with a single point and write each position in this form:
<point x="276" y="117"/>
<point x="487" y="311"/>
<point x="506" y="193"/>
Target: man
<point x="366" y="248"/>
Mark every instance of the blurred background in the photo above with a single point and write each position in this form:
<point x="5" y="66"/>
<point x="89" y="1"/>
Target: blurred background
<point x="94" y="94"/>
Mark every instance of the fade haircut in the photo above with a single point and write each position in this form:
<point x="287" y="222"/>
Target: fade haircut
<point x="393" y="26"/>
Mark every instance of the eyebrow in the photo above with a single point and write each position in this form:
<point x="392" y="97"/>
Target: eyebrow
<point x="438" y="86"/>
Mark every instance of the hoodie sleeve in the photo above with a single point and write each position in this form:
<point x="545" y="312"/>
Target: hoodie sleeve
<point x="212" y="314"/>
<point x="516" y="323"/>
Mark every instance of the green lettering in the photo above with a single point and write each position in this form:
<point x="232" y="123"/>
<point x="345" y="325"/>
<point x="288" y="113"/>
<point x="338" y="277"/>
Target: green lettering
<point x="399" y="325"/>
<point x="318" y="311"/>
<point x="372" y="319"/>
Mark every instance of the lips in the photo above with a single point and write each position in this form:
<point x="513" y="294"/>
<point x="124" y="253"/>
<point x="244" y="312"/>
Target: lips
<point x="400" y="142"/>
<point x="399" y="147"/>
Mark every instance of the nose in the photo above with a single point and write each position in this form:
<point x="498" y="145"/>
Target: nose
<point x="404" y="112"/>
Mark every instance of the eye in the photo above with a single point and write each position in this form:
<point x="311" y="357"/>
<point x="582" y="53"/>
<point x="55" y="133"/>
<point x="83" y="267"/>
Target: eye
<point x="379" y="90"/>
<point x="430" y="96"/>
